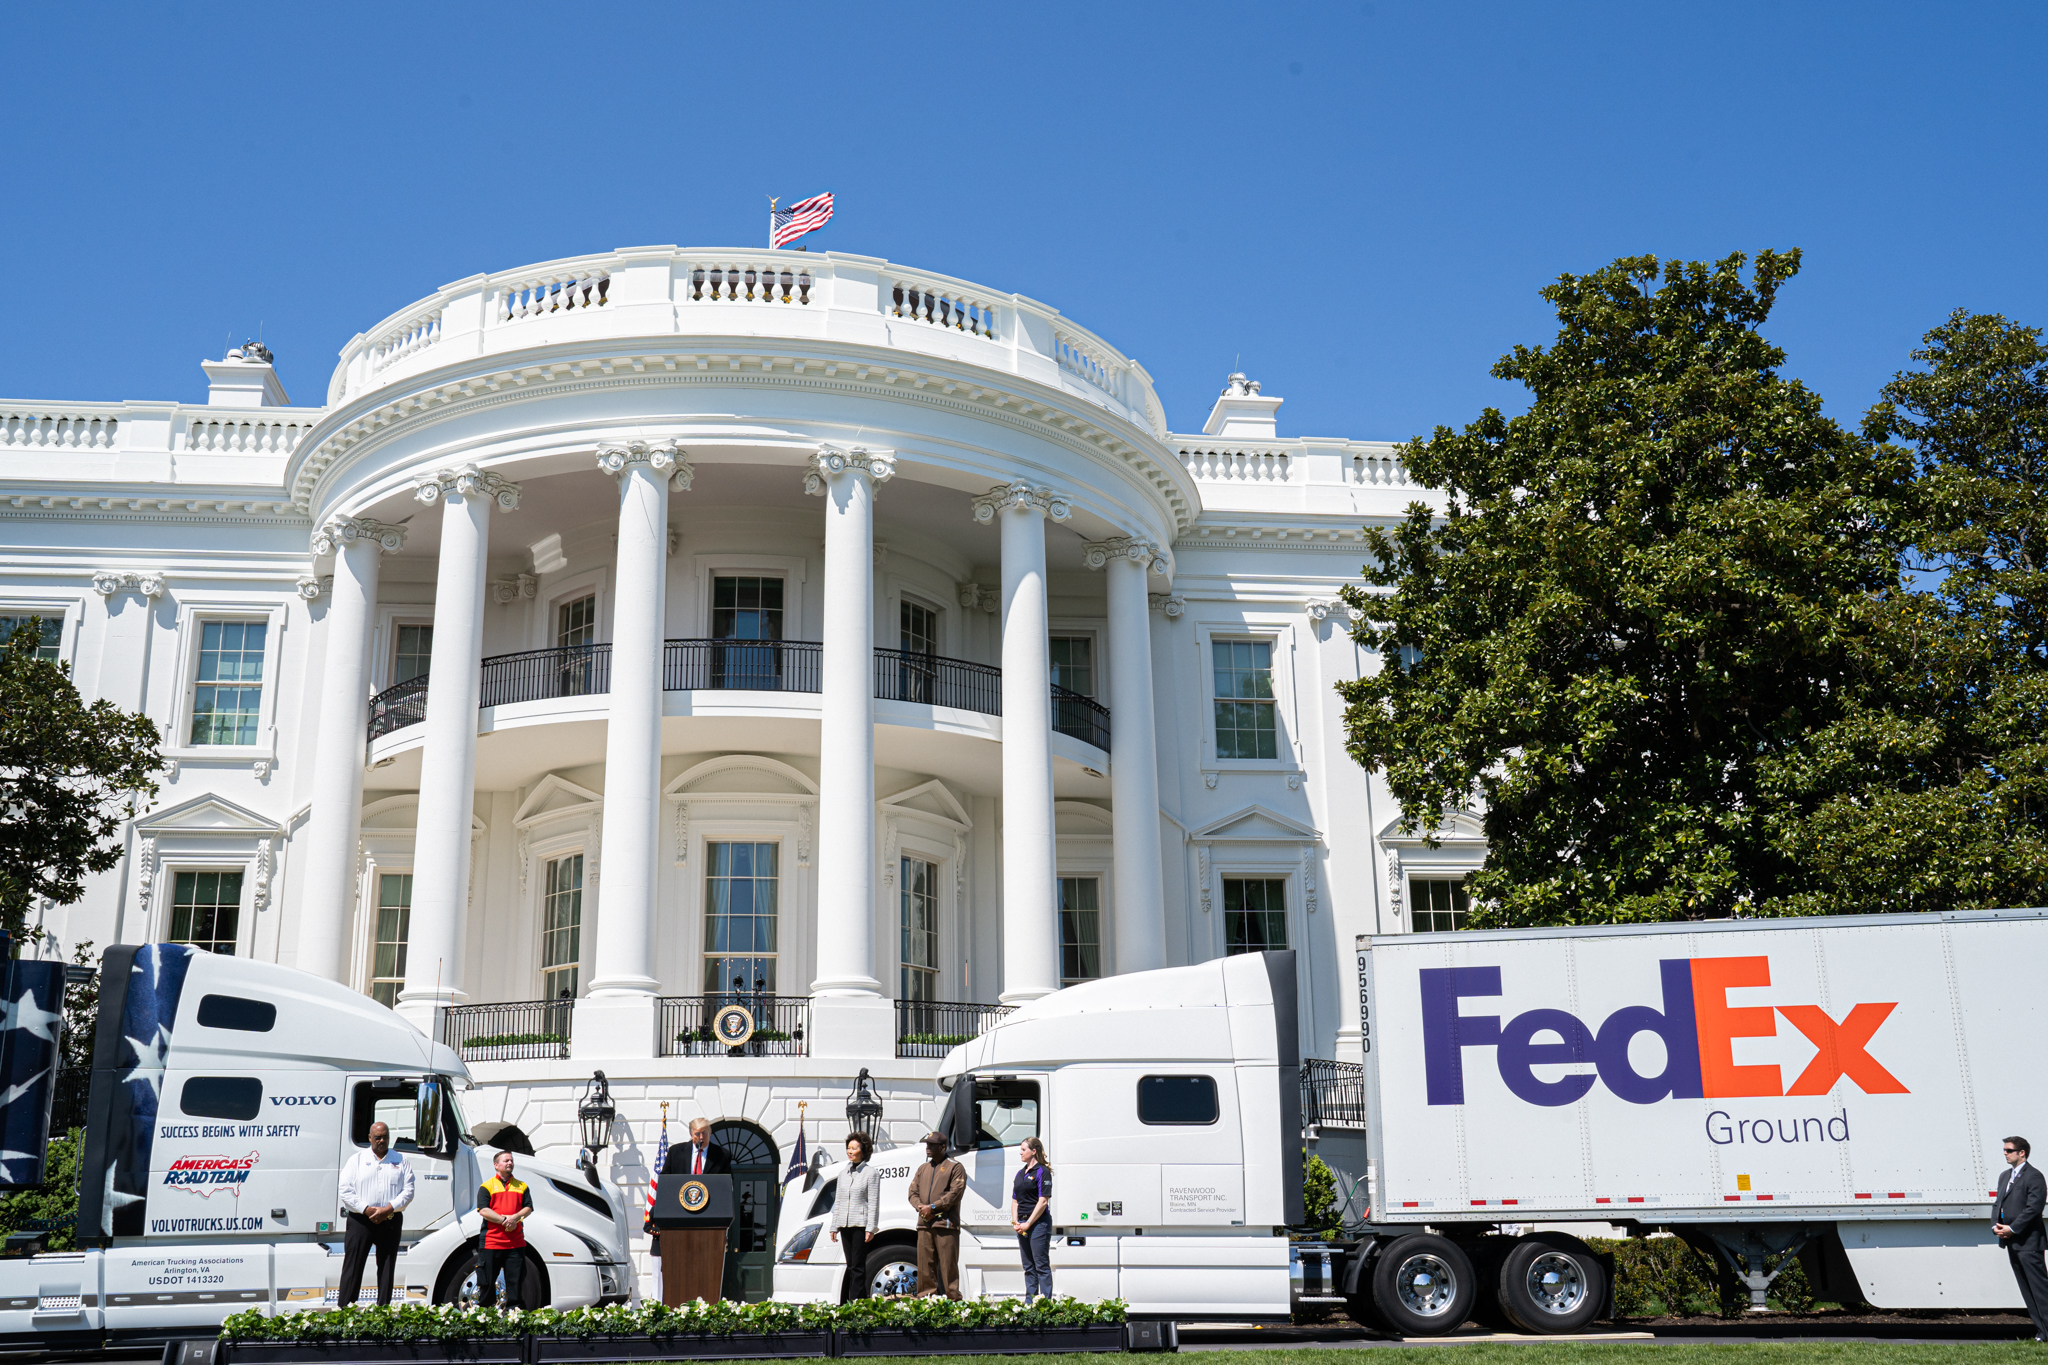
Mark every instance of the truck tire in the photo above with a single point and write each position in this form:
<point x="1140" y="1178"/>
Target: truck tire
<point x="1423" y="1285"/>
<point x="458" y="1282"/>
<point x="892" y="1270"/>
<point x="1551" y="1283"/>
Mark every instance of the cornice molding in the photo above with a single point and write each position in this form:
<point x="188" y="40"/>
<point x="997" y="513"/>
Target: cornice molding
<point x="662" y="457"/>
<point x="466" y="481"/>
<point x="338" y="532"/>
<point x="1022" y="496"/>
<point x="829" y="462"/>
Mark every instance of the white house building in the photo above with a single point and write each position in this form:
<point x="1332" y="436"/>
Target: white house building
<point x="636" y="635"/>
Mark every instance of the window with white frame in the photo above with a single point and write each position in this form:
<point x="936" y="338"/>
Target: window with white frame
<point x="920" y="920"/>
<point x="918" y="628"/>
<point x="741" y="899"/>
<point x="1080" y="929"/>
<point x="561" y="927"/>
<point x="413" y="653"/>
<point x="1246" y="726"/>
<point x="387" y="944"/>
<point x="206" y="910"/>
<point x="49" y="627"/>
<point x="1254" y="914"/>
<point x="1437" y="904"/>
<point x="746" y="607"/>
<point x="227" y="694"/>
<point x="1073" y="663"/>
<point x="576" y="622"/>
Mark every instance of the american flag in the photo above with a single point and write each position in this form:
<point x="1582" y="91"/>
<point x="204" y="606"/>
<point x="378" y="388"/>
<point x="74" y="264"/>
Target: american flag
<point x="660" y="1156"/>
<point x="786" y="225"/>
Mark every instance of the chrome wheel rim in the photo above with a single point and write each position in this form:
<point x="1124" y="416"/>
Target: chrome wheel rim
<point x="897" y="1277"/>
<point x="1555" y="1283"/>
<point x="1426" y="1285"/>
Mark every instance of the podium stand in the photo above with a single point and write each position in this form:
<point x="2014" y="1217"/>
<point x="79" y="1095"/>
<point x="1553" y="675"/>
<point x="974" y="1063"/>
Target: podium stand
<point x="691" y="1215"/>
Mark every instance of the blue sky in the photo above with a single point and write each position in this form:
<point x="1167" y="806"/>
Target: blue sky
<point x="1359" y="199"/>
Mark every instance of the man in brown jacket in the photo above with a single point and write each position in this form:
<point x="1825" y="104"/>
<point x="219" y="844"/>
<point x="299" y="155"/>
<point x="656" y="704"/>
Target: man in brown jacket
<point x="936" y="1189"/>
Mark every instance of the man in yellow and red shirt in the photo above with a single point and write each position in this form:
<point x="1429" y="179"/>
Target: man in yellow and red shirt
<point x="505" y="1204"/>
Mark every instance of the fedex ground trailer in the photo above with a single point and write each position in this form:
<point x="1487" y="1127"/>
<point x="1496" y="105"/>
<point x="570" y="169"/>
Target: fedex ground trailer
<point x="1834" y="1087"/>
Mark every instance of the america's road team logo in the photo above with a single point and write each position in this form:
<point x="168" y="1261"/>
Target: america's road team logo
<point x="206" y="1175"/>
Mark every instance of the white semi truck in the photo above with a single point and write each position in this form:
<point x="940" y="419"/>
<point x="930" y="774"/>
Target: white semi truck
<point x="1835" y="1088"/>
<point x="225" y="1096"/>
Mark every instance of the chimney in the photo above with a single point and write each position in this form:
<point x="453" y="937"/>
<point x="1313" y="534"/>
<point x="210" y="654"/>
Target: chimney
<point x="1242" y="413"/>
<point x="246" y="378"/>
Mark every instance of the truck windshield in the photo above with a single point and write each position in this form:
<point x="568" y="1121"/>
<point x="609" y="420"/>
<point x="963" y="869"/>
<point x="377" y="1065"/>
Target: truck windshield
<point x="458" y="1125"/>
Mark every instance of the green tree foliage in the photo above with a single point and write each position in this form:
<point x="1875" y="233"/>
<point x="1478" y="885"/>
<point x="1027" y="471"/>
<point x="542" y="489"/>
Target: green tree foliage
<point x="52" y="1206"/>
<point x="1931" y="791"/>
<point x="68" y="775"/>
<point x="1638" y="595"/>
<point x="1319" y="1198"/>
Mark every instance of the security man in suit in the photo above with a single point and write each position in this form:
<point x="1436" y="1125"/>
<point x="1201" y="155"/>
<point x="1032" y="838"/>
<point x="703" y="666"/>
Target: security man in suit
<point x="2016" y="1218"/>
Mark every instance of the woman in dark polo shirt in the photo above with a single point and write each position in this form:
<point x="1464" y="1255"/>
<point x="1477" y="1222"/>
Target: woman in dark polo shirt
<point x="1031" y="1197"/>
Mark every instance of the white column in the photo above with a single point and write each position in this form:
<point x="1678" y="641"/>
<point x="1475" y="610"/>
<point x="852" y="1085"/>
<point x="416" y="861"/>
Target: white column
<point x="1031" y="931"/>
<point x="617" y="1018"/>
<point x="441" y="839"/>
<point x="325" y="910"/>
<point x="1134" y="759"/>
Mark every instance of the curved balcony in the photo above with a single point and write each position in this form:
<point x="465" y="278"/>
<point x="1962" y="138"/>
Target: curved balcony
<point x="740" y="665"/>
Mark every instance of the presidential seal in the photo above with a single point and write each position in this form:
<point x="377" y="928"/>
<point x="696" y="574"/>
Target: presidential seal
<point x="693" y="1196"/>
<point x="733" y="1025"/>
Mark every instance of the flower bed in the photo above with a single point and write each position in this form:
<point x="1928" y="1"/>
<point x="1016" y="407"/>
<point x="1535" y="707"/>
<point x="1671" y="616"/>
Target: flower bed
<point x="696" y="1330"/>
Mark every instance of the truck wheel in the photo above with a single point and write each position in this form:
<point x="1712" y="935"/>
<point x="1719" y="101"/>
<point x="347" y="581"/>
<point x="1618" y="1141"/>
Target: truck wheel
<point x="1551" y="1283"/>
<point x="1423" y="1285"/>
<point x="458" y="1283"/>
<point x="892" y="1270"/>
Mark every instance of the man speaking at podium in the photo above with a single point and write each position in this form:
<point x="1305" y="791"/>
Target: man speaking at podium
<point x="700" y="1156"/>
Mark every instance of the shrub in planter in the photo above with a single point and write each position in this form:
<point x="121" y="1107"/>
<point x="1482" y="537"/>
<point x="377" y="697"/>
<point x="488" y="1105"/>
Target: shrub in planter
<point x="1663" y="1276"/>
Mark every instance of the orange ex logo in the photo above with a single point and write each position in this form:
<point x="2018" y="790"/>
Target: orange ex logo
<point x="1696" y="1023"/>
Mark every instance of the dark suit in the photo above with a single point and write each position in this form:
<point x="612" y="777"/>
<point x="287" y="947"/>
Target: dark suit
<point x="2021" y="1194"/>
<point x="682" y="1159"/>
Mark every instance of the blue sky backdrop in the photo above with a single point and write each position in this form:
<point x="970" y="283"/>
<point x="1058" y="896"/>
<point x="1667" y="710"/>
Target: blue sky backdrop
<point x="1360" y="199"/>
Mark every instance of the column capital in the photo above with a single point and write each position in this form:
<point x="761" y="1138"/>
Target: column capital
<point x="1024" y="496"/>
<point x="1321" y="608"/>
<point x="148" y="582"/>
<point x="336" y="532"/>
<point x="466" y="481"/>
<point x="312" y="588"/>
<point x="1172" y="603"/>
<point x="1097" y="553"/>
<point x="662" y="457"/>
<point x="826" y="461"/>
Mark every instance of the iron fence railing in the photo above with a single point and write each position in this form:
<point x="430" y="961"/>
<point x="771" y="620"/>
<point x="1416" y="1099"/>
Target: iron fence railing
<point x="511" y="1031"/>
<point x="689" y="1023"/>
<point x="932" y="1028"/>
<point x="905" y="675"/>
<point x="1084" y="718"/>
<point x="70" y="1099"/>
<point x="397" y="707"/>
<point x="544" y="674"/>
<point x="749" y="665"/>
<point x="1332" y="1093"/>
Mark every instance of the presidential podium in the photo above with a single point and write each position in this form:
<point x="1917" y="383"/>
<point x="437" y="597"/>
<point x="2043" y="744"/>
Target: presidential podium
<point x="691" y="1215"/>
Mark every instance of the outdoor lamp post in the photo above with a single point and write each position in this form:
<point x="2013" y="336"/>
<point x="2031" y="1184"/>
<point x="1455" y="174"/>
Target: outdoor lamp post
<point x="863" y="1110"/>
<point x="595" y="1113"/>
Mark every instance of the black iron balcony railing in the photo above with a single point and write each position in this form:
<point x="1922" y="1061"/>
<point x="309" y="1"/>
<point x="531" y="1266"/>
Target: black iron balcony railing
<point x="512" y="1031"/>
<point x="932" y="1028"/>
<point x="689" y="1023"/>
<point x="1084" y="718"/>
<point x="1332" y="1093"/>
<point x="740" y="665"/>
<point x="905" y="675"/>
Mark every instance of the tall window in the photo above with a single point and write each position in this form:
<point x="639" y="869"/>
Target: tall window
<point x="206" y="908"/>
<point x="920" y="633"/>
<point x="1254" y="914"/>
<point x="739" y="918"/>
<point x="394" y="922"/>
<point x="415" y="652"/>
<point x="920" y="930"/>
<point x="575" y="633"/>
<point x="1073" y="663"/>
<point x="561" y="927"/>
<point x="228" y="699"/>
<point x="49" y="632"/>
<point x="1080" y="930"/>
<point x="576" y="623"/>
<point x="746" y="608"/>
<point x="1440" y="903"/>
<point x="1244" y="699"/>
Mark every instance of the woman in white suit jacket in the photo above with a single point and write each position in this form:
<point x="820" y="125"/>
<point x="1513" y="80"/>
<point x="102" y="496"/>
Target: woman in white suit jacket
<point x="856" y="1211"/>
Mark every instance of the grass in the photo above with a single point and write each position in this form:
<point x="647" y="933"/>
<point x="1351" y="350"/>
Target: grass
<point x="1594" y="1353"/>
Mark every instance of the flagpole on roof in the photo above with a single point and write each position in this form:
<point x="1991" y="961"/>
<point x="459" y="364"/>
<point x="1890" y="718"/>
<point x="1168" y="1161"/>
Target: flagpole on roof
<point x="771" y="224"/>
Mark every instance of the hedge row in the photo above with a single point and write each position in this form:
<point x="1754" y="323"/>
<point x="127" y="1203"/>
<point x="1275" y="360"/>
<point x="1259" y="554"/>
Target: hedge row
<point x="1664" y="1277"/>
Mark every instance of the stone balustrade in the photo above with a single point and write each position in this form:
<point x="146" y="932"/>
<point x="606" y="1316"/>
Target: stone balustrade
<point x="136" y="428"/>
<point x="1362" y="464"/>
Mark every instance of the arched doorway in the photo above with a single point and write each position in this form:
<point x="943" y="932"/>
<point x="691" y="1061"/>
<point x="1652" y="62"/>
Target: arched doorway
<point x="757" y="1202"/>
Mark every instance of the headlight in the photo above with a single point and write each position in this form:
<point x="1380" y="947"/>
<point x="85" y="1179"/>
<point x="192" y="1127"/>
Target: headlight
<point x="598" y="1253"/>
<point x="799" y="1248"/>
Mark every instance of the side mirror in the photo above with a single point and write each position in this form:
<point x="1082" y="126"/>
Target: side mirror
<point x="961" y="1123"/>
<point x="427" y="1119"/>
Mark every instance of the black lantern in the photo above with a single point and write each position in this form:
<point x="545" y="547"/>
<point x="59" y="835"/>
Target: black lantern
<point x="863" y="1110"/>
<point x="595" y="1113"/>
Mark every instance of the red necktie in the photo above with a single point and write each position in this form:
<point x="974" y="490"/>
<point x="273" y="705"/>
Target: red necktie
<point x="697" y="1167"/>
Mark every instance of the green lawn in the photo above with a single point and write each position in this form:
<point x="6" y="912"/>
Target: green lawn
<point x="1594" y="1353"/>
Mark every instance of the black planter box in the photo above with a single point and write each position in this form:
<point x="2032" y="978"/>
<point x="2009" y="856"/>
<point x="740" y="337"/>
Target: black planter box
<point x="963" y="1341"/>
<point x="686" y="1346"/>
<point x="477" y="1351"/>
